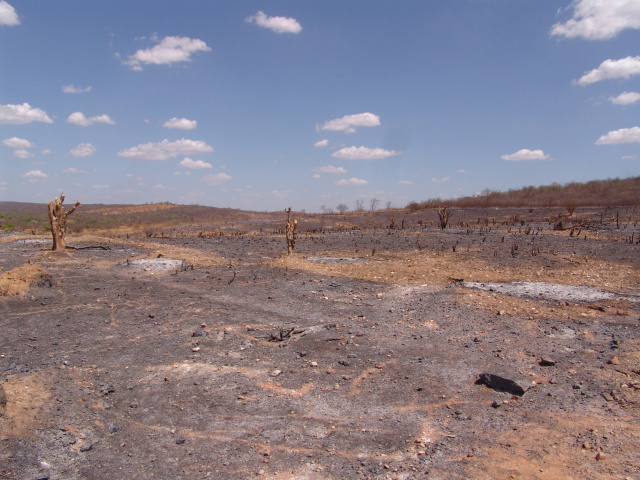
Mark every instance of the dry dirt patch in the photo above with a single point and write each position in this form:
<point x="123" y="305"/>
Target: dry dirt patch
<point x="19" y="280"/>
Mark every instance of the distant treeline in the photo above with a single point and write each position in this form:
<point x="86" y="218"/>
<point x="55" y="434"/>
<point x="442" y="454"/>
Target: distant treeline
<point x="600" y="193"/>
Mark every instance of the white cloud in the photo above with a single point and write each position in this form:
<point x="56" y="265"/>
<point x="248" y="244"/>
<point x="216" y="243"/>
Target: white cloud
<point x="624" y="135"/>
<point x="165" y="149"/>
<point x="321" y="143"/>
<point x="217" y="179"/>
<point x="46" y="151"/>
<point x="625" y="98"/>
<point x="160" y="186"/>
<point x="330" y="169"/>
<point x="74" y="89"/>
<point x="440" y="180"/>
<point x="8" y="15"/>
<point x="405" y="182"/>
<point x="599" y="19"/>
<point x="610" y="69"/>
<point x="315" y="175"/>
<point x="83" y="150"/>
<point x="78" y="118"/>
<point x="100" y="186"/>
<point x="15" y="142"/>
<point x="364" y="153"/>
<point x="22" y="153"/>
<point x="22" y="114"/>
<point x="35" y="175"/>
<point x="351" y="182"/>
<point x="197" y="164"/>
<point x="276" y="24"/>
<point x="629" y="157"/>
<point x="526" y="155"/>
<point x="169" y="50"/>
<point x="462" y="171"/>
<point x="72" y="170"/>
<point x="348" y="123"/>
<point x="180" y="123"/>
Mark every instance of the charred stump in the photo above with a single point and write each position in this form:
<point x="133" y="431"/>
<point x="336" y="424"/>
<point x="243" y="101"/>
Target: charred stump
<point x="58" y="220"/>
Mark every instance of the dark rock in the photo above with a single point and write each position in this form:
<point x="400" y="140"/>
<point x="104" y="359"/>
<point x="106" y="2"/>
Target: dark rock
<point x="200" y="332"/>
<point x="546" y="362"/>
<point x="113" y="427"/>
<point x="504" y="384"/>
<point x="495" y="404"/>
<point x="107" y="389"/>
<point x="180" y="441"/>
<point x="86" y="447"/>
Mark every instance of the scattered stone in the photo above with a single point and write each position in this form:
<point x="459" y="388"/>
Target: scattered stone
<point x="586" y="445"/>
<point x="276" y="372"/>
<point x="86" y="447"/>
<point x="495" y="404"/>
<point x="614" y="361"/>
<point x="107" y="389"/>
<point x="502" y="383"/>
<point x="600" y="456"/>
<point x="113" y="427"/>
<point x="546" y="362"/>
<point x="502" y="312"/>
<point x="180" y="441"/>
<point x="200" y="332"/>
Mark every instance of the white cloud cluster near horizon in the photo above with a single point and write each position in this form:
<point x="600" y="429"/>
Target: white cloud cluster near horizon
<point x="348" y="123"/>
<point x="526" y="155"/>
<point x="8" y="15"/>
<point x="195" y="164"/>
<point x="78" y="118"/>
<point x="364" y="153"/>
<point x="611" y="69"/>
<point x="321" y="143"/>
<point x="351" y="182"/>
<point x="180" y="123"/>
<point x="599" y="19"/>
<point x="216" y="179"/>
<point x="22" y="114"/>
<point x="623" y="135"/>
<point x="625" y="98"/>
<point x="74" y="89"/>
<point x="83" y="150"/>
<point x="165" y="149"/>
<point x="330" y="169"/>
<point x="275" y="24"/>
<point x="169" y="50"/>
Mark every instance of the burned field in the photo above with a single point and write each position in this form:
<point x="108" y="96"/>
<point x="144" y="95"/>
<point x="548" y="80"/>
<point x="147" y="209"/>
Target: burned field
<point x="485" y="350"/>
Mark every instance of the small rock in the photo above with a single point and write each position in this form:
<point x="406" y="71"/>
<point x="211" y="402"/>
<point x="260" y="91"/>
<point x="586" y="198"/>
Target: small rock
<point x="614" y="361"/>
<point x="501" y="312"/>
<point x="502" y="383"/>
<point x="200" y="332"/>
<point x="313" y="364"/>
<point x="113" y="427"/>
<point x="275" y="373"/>
<point x="86" y="447"/>
<point x="495" y="404"/>
<point x="180" y="441"/>
<point x="546" y="362"/>
<point x="107" y="389"/>
<point x="586" y="445"/>
<point x="600" y="456"/>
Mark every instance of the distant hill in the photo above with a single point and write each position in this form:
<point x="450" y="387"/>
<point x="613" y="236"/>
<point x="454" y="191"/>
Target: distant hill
<point x="598" y="193"/>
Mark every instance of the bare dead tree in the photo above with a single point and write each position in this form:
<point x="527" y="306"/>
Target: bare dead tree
<point x="373" y="204"/>
<point x="58" y="220"/>
<point x="443" y="215"/>
<point x="291" y="231"/>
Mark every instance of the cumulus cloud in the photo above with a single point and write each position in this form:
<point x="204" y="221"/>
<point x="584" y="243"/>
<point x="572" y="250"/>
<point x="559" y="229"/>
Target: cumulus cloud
<point x="35" y="175"/>
<point x="72" y="170"/>
<point x="526" y="155"/>
<point x="78" y="118"/>
<point x="83" y="150"/>
<point x="330" y="169"/>
<point x="180" y="123"/>
<point x="22" y="153"/>
<point x="629" y="157"/>
<point x="169" y="50"/>
<point x="15" y="142"/>
<point x="197" y="164"/>
<point x="351" y="182"/>
<point x="611" y="69"/>
<point x="8" y="15"/>
<point x="599" y="19"/>
<point x="217" y="179"/>
<point x="165" y="149"/>
<point x="624" y="135"/>
<point x="46" y="151"/>
<point x="364" y="153"/>
<point x="462" y="171"/>
<point x="440" y="180"/>
<point x="625" y="98"/>
<point x="22" y="114"/>
<point x="405" y="182"/>
<point x="74" y="89"/>
<point x="276" y="24"/>
<point x="321" y="143"/>
<point x="348" y="123"/>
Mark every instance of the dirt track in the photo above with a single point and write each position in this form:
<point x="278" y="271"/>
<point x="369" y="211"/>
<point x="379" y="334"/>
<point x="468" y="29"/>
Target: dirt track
<point x="359" y="363"/>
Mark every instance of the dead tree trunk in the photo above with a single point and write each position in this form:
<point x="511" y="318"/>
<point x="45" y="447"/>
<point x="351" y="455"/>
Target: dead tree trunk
<point x="58" y="220"/>
<point x="443" y="215"/>
<point x="291" y="230"/>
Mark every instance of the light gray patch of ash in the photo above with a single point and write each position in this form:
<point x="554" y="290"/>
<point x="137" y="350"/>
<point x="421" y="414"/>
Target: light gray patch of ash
<point x="549" y="291"/>
<point x="159" y="264"/>
<point x="334" y="259"/>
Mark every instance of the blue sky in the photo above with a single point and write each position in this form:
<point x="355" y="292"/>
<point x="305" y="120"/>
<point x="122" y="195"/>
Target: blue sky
<point x="264" y="105"/>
